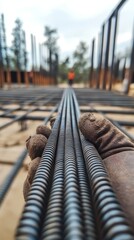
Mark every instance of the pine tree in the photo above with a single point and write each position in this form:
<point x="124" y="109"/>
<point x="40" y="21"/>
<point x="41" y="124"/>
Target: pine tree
<point x="81" y="62"/>
<point x="3" y="46"/>
<point x="18" y="48"/>
<point x="51" y="43"/>
<point x="4" y="60"/>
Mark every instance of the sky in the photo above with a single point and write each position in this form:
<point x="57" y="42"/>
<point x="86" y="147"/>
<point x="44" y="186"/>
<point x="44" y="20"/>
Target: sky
<point x="74" y="20"/>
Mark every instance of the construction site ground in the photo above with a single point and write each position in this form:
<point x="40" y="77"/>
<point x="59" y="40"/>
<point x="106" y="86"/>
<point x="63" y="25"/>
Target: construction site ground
<point x="12" y="142"/>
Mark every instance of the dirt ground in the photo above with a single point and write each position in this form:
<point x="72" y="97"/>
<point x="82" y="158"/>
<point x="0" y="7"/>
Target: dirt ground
<point x="12" y="142"/>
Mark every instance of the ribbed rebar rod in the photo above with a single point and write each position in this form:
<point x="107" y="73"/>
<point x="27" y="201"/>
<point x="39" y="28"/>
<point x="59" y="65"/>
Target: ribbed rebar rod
<point x="70" y="196"/>
<point x="102" y="97"/>
<point x="9" y="179"/>
<point x="17" y="118"/>
<point x="51" y="113"/>
<point x="33" y="118"/>
<point x="8" y="111"/>
<point x="73" y="224"/>
<point x="16" y="167"/>
<point x="110" y="218"/>
<point x="53" y="216"/>
<point x="30" y="225"/>
<point x="90" y="228"/>
<point x="25" y="97"/>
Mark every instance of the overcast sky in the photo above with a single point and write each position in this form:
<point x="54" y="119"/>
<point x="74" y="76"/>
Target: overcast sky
<point x="75" y="20"/>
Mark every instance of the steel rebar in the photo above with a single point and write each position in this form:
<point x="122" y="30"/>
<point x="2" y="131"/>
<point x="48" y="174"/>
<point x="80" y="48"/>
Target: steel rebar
<point x="71" y="196"/>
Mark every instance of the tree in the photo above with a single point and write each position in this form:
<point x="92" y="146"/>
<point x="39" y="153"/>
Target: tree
<point x="4" y="58"/>
<point x="81" y="62"/>
<point x="63" y="69"/>
<point x="19" y="58"/>
<point x="51" y="43"/>
<point x="24" y="52"/>
<point x="3" y="45"/>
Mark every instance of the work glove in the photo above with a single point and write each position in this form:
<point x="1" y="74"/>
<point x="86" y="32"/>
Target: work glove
<point x="35" y="145"/>
<point x="117" y="153"/>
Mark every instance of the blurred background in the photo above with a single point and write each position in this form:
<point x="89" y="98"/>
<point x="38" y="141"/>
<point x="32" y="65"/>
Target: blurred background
<point x="39" y="42"/>
<point x="46" y="39"/>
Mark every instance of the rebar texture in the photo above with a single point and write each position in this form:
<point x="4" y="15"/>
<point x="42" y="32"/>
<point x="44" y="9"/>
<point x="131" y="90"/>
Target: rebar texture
<point x="7" y="182"/>
<point x="109" y="215"/>
<point x="30" y="226"/>
<point x="71" y="197"/>
<point x="4" y="187"/>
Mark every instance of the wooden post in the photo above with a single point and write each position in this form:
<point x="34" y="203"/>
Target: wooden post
<point x="18" y="77"/>
<point x="1" y="78"/>
<point x="26" y="78"/>
<point x="8" y="77"/>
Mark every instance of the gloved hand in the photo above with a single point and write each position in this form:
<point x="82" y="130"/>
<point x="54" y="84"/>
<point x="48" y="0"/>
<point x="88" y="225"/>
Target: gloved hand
<point x="117" y="152"/>
<point x="35" y="146"/>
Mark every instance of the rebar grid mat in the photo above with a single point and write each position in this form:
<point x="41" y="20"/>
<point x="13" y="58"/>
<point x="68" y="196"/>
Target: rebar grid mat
<point x="71" y="197"/>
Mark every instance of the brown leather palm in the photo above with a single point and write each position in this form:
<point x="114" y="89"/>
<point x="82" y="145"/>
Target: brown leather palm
<point x="120" y="168"/>
<point x="104" y="135"/>
<point x="117" y="152"/>
<point x="31" y="173"/>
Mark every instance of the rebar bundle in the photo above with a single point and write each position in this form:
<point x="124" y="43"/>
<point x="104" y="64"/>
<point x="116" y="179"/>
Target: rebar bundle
<point x="71" y="196"/>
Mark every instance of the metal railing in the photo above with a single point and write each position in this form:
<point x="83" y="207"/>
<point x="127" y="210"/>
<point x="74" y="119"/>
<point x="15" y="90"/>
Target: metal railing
<point x="104" y="75"/>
